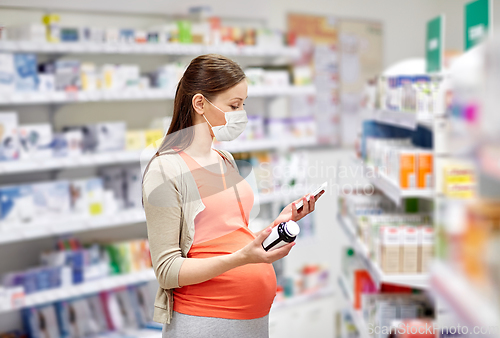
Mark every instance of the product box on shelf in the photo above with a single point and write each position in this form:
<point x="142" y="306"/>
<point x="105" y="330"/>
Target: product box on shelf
<point x="110" y="136"/>
<point x="87" y="196"/>
<point x="88" y="76"/>
<point x="89" y="133"/>
<point x="46" y="83"/>
<point x="135" y="140"/>
<point x="409" y="249"/>
<point x="67" y="75"/>
<point x="390" y="249"/>
<point x="133" y="185"/>
<point x="7" y="73"/>
<point x="35" y="141"/>
<point x="51" y="200"/>
<point x="17" y="205"/>
<point x="9" y="139"/>
<point x="426" y="248"/>
<point x="26" y="72"/>
<point x="114" y="180"/>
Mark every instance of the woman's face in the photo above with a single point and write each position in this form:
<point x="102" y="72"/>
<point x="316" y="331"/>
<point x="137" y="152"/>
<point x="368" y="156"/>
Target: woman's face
<point x="229" y="100"/>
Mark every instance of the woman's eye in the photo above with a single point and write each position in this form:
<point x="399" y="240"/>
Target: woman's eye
<point x="234" y="107"/>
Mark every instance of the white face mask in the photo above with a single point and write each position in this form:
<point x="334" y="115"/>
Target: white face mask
<point x="236" y="122"/>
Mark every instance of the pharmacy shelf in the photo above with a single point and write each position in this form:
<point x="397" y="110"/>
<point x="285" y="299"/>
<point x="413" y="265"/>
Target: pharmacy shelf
<point x="17" y="232"/>
<point x="356" y="315"/>
<point x="390" y="188"/>
<point x="85" y="160"/>
<point x="123" y="157"/>
<point x="146" y="49"/>
<point x="88" y="288"/>
<point x="61" y="97"/>
<point x="463" y="298"/>
<point x="320" y="293"/>
<point x="419" y="281"/>
<point x="266" y="144"/>
<point x="70" y="224"/>
<point x="402" y="119"/>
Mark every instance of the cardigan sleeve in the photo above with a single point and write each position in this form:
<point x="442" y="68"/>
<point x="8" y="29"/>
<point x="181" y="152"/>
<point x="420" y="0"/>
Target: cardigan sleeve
<point x="163" y="208"/>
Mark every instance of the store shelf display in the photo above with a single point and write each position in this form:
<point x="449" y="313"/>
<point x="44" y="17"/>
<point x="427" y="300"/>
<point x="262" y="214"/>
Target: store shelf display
<point x="379" y="308"/>
<point x="74" y="270"/>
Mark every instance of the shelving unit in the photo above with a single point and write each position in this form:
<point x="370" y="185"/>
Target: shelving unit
<point x="402" y="119"/>
<point x="122" y="157"/>
<point x="146" y="49"/>
<point x="88" y="288"/>
<point x="390" y="188"/>
<point x="86" y="160"/>
<point x="59" y="97"/>
<point x="356" y="315"/>
<point x="420" y="281"/>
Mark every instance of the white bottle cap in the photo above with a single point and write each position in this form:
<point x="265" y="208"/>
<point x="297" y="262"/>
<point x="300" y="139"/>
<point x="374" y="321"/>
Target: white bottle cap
<point x="292" y="229"/>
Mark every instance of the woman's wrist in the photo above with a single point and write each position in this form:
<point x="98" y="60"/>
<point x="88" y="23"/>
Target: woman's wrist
<point x="236" y="259"/>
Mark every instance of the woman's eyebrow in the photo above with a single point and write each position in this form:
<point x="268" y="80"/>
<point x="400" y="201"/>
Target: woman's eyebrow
<point x="239" y="98"/>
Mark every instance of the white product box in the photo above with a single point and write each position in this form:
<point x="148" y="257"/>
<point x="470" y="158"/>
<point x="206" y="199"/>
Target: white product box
<point x="87" y="196"/>
<point x="46" y="83"/>
<point x="52" y="200"/>
<point x="29" y="32"/>
<point x="133" y="187"/>
<point x="111" y="136"/>
<point x="35" y="141"/>
<point x="9" y="139"/>
<point x="409" y="249"/>
<point x="15" y="297"/>
<point x="88" y="75"/>
<point x="390" y="244"/>
<point x="7" y="73"/>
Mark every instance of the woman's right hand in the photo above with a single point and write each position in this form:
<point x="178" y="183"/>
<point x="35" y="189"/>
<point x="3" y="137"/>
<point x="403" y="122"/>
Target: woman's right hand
<point x="253" y="252"/>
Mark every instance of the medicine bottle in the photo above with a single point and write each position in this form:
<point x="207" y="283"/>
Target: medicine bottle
<point x="282" y="234"/>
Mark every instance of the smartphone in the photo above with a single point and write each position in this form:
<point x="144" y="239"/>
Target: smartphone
<point x="317" y="193"/>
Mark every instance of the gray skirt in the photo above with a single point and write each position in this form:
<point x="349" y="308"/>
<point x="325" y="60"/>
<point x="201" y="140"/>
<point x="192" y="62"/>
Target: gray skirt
<point x="186" y="326"/>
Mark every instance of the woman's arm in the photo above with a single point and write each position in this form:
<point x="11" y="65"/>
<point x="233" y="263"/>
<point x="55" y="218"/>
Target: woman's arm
<point x="198" y="270"/>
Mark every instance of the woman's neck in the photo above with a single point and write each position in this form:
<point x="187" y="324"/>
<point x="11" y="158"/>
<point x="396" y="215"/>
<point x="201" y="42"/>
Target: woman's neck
<point x="202" y="141"/>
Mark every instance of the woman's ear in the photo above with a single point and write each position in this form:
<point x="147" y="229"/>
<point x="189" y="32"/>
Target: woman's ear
<point x="199" y="104"/>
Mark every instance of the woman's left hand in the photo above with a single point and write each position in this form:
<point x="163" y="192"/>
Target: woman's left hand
<point x="290" y="211"/>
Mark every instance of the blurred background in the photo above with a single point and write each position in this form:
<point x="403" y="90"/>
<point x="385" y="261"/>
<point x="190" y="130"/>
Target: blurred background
<point x="393" y="103"/>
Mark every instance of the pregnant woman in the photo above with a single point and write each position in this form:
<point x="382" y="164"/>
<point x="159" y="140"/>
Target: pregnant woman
<point x="215" y="278"/>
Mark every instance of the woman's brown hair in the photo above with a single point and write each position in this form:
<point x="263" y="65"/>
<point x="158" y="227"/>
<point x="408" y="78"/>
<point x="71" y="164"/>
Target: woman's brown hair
<point x="209" y="75"/>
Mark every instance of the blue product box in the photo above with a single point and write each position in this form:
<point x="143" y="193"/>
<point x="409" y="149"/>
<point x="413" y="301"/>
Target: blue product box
<point x="52" y="199"/>
<point x="16" y="204"/>
<point x="63" y="318"/>
<point x="127" y="35"/>
<point x="26" y="72"/>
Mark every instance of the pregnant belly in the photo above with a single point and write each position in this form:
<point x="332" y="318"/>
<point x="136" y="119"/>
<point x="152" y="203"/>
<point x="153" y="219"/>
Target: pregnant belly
<point x="245" y="292"/>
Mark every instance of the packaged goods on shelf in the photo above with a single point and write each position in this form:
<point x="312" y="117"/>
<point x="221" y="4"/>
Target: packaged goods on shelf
<point x="399" y="242"/>
<point x="206" y="30"/>
<point x="118" y="313"/>
<point x="9" y="146"/>
<point x="67" y="75"/>
<point x="17" y="205"/>
<point x="35" y="141"/>
<point x="72" y="264"/>
<point x="7" y="73"/>
<point x="26" y="72"/>
<point x="28" y="32"/>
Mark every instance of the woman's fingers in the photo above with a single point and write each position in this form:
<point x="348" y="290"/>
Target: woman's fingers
<point x="279" y="253"/>
<point x="312" y="203"/>
<point x="294" y="212"/>
<point x="263" y="235"/>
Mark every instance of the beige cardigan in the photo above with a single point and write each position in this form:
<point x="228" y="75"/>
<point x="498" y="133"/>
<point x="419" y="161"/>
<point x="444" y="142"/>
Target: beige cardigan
<point x="171" y="203"/>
